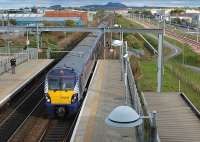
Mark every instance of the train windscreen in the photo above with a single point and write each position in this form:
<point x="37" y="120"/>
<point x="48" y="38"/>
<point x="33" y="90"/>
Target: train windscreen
<point x="61" y="83"/>
<point x="68" y="84"/>
<point x="54" y="84"/>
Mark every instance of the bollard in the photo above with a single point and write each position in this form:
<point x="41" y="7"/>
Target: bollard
<point x="153" y="126"/>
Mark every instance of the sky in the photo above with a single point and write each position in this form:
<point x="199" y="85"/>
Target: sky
<point x="67" y="3"/>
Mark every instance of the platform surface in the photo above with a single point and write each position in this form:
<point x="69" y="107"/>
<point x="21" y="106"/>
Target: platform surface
<point x="105" y="92"/>
<point x="176" y="121"/>
<point x="3" y="57"/>
<point x="10" y="83"/>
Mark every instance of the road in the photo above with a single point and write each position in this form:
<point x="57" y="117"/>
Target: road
<point x="175" y="50"/>
<point x="193" y="68"/>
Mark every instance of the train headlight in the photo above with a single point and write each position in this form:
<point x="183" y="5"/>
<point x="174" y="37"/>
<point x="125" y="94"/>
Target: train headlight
<point x="48" y="99"/>
<point x="74" y="98"/>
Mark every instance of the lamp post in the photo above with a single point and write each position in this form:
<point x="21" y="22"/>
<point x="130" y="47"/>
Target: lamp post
<point x="125" y="57"/>
<point x="38" y="41"/>
<point x="27" y="44"/>
<point x="127" y="117"/>
<point x="119" y="43"/>
<point x="121" y="39"/>
<point x="126" y="70"/>
<point x="198" y="28"/>
<point x="164" y="22"/>
<point x="8" y="45"/>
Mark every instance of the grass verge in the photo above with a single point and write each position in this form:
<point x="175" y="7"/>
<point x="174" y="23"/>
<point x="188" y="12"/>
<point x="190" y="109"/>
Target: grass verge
<point x="189" y="79"/>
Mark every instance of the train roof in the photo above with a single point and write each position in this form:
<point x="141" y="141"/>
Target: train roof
<point x="77" y="58"/>
<point x="60" y="72"/>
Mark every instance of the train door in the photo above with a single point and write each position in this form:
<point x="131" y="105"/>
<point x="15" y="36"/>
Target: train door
<point x="81" y="85"/>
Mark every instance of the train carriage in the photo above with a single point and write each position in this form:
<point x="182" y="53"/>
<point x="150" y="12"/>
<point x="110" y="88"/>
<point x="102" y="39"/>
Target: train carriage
<point x="66" y="81"/>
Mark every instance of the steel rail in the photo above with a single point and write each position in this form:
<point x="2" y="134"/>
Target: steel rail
<point x="25" y="99"/>
<point x="25" y="120"/>
<point x="20" y="114"/>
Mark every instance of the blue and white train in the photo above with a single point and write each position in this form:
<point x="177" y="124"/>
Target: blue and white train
<point x="66" y="81"/>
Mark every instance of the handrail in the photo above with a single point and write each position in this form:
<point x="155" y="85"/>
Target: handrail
<point x="190" y="104"/>
<point x="133" y="91"/>
<point x="135" y="100"/>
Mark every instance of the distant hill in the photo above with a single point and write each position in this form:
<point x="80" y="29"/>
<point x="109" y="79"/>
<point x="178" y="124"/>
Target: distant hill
<point x="56" y="7"/>
<point x="109" y="5"/>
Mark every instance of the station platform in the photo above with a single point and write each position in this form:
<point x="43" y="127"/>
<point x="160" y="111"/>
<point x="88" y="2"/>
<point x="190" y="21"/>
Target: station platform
<point x="25" y="72"/>
<point x="105" y="92"/>
<point x="176" y="121"/>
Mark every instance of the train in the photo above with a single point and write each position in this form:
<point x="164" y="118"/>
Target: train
<point x="66" y="82"/>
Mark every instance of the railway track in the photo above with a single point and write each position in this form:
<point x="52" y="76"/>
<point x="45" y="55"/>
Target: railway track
<point x="28" y="102"/>
<point x="14" y="114"/>
<point x="182" y="38"/>
<point x="19" y="97"/>
<point x="32" y="129"/>
<point x="17" y="114"/>
<point x="21" y="113"/>
<point x="58" y="130"/>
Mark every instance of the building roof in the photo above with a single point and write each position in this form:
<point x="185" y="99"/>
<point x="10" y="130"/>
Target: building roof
<point x="68" y="13"/>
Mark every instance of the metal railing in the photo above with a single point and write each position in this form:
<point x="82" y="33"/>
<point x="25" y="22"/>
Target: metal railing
<point x="135" y="100"/>
<point x="21" y="56"/>
<point x="138" y="103"/>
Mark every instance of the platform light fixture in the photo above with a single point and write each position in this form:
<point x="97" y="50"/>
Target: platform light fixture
<point x="123" y="117"/>
<point x="127" y="117"/>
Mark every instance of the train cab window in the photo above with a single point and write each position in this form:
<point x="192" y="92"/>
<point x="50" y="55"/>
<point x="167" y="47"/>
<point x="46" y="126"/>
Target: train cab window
<point x="68" y="84"/>
<point x="54" y="84"/>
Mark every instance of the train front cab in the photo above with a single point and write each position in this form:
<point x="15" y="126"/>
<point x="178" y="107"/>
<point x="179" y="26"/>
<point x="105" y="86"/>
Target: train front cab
<point x="69" y="106"/>
<point x="62" y="95"/>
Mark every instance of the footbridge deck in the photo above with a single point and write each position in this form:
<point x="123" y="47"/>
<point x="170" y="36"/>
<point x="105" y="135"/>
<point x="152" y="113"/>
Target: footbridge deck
<point x="176" y="121"/>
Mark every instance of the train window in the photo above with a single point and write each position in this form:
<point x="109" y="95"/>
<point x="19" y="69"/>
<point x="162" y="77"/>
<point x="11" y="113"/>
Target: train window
<point x="68" y="84"/>
<point x="54" y="84"/>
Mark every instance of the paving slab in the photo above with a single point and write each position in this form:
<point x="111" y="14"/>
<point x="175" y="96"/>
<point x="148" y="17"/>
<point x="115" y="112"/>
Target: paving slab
<point x="10" y="83"/>
<point x="105" y="92"/>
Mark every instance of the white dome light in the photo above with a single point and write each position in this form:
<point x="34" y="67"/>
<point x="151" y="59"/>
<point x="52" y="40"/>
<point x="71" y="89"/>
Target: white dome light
<point x="123" y="116"/>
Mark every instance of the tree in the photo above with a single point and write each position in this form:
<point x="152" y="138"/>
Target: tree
<point x="177" y="11"/>
<point x="34" y="10"/>
<point x="13" y="21"/>
<point x="47" y="23"/>
<point x="137" y="11"/>
<point x="133" y="42"/>
<point x="147" y="13"/>
<point x="70" y="23"/>
<point x="176" y="20"/>
<point x="100" y="13"/>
